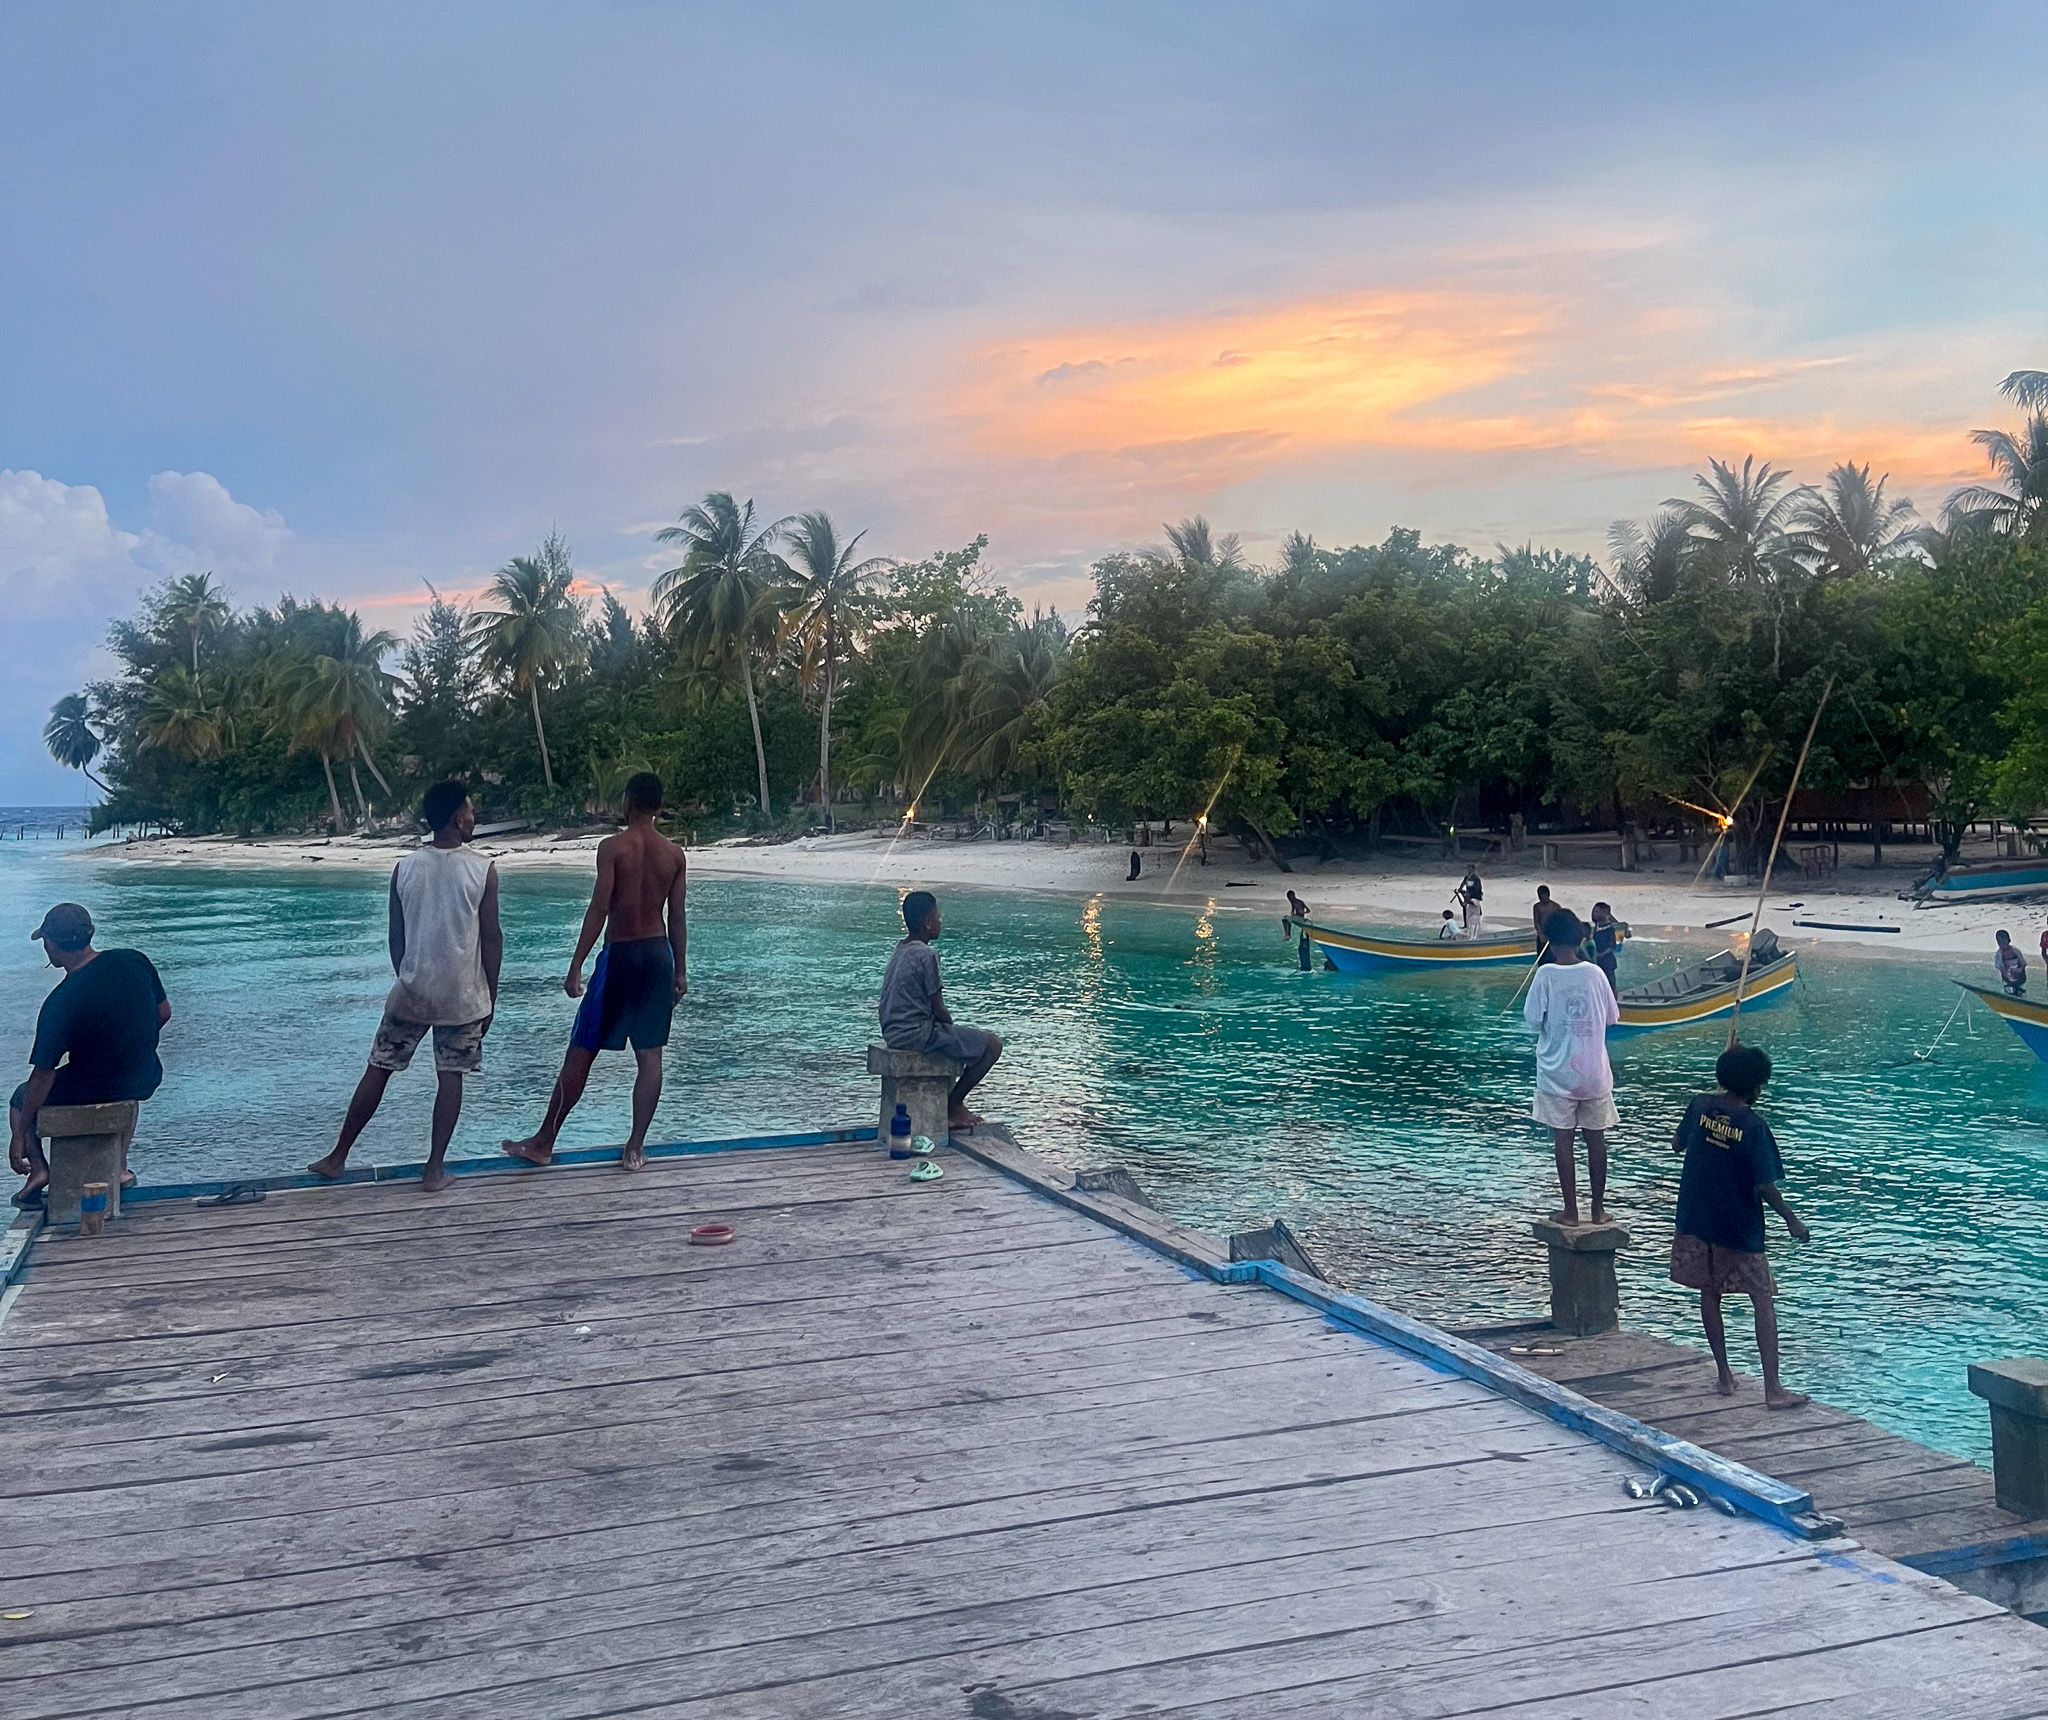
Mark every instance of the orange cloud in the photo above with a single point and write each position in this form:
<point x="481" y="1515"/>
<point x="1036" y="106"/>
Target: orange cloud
<point x="1303" y="376"/>
<point x="1420" y="381"/>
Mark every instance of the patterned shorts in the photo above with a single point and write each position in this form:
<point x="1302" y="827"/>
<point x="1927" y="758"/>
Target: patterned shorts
<point x="457" y="1050"/>
<point x="1723" y="1271"/>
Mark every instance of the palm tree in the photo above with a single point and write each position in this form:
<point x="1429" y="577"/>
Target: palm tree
<point x="536" y="632"/>
<point x="828" y="584"/>
<point x="2027" y="389"/>
<point x="1853" y="528"/>
<point x="716" y="600"/>
<point x="1195" y="545"/>
<point x="1650" y="559"/>
<point x="1743" y="531"/>
<point x="194" y="605"/>
<point x="334" y="699"/>
<point x="175" y="717"/>
<point x="73" y="741"/>
<point x="1024" y="666"/>
<point x="2021" y="460"/>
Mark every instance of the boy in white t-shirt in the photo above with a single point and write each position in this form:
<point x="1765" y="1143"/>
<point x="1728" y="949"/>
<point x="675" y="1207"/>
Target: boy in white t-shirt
<point x="1571" y="1006"/>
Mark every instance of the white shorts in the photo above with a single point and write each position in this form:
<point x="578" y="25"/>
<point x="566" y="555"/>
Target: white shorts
<point x="1554" y="1111"/>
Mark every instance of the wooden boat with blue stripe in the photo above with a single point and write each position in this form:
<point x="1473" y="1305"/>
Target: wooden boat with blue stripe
<point x="1374" y="952"/>
<point x="1706" y="990"/>
<point x="1981" y="881"/>
<point x="2025" y="1017"/>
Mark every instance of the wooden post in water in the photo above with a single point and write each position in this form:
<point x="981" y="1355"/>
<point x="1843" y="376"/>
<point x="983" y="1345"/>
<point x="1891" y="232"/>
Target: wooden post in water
<point x="2017" y="1391"/>
<point x="1584" y="1298"/>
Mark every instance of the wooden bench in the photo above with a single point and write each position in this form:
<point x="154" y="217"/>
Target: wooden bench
<point x="920" y="1083"/>
<point x="87" y="1144"/>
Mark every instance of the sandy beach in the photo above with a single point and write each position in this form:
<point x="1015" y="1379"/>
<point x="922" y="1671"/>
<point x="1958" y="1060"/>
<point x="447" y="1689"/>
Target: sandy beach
<point x="1661" y="897"/>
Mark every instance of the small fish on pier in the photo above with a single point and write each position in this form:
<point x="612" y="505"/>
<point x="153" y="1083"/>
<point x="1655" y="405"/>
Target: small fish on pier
<point x="1680" y="1497"/>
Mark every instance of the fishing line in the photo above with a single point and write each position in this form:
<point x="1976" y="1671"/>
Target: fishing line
<point x="1923" y="1056"/>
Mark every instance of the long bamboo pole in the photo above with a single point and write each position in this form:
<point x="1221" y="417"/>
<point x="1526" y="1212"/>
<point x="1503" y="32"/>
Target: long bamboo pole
<point x="1770" y="865"/>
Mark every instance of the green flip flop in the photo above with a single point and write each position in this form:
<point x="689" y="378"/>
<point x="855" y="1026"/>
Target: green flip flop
<point x="925" y="1171"/>
<point x="923" y="1147"/>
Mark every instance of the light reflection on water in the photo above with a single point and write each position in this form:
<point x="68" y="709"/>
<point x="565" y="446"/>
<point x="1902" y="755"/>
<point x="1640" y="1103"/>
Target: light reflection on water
<point x="1384" y="1120"/>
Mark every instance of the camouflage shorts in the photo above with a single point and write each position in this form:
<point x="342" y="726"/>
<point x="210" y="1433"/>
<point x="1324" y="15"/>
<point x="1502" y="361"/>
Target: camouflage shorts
<point x="457" y="1050"/>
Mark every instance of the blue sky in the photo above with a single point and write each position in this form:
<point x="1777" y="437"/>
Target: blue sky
<point x="345" y="299"/>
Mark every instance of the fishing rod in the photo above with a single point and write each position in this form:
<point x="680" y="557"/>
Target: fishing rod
<point x="1784" y="812"/>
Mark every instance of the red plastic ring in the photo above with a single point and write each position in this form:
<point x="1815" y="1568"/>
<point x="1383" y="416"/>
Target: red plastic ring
<point x="711" y="1235"/>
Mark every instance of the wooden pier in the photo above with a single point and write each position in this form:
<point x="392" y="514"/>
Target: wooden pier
<point x="917" y="1451"/>
<point x="1924" y="1508"/>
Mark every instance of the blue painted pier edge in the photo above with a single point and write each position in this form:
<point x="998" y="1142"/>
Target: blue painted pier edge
<point x="1775" y="1502"/>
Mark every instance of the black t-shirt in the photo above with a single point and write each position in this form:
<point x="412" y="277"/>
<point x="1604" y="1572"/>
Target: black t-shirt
<point x="104" y="1017"/>
<point x="1730" y="1153"/>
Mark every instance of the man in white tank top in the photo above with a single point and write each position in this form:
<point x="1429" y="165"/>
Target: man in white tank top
<point x="445" y="949"/>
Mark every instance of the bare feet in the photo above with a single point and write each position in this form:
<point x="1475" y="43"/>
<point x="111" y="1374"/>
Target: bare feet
<point x="1570" y="1215"/>
<point x="1600" y="1215"/>
<point x="531" y="1151"/>
<point x="633" y="1159"/>
<point x="962" y="1120"/>
<point x="1725" y="1385"/>
<point x="434" y="1179"/>
<point x="330" y="1167"/>
<point x="1779" y="1398"/>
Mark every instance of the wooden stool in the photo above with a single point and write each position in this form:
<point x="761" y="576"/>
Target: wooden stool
<point x="920" y="1083"/>
<point x="85" y="1146"/>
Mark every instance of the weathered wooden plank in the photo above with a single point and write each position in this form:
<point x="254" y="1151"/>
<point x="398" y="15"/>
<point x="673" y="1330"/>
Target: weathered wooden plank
<point x="908" y="1447"/>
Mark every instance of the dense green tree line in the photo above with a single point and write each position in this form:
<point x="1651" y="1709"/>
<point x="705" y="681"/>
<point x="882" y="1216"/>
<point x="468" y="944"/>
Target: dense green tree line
<point x="1324" y="697"/>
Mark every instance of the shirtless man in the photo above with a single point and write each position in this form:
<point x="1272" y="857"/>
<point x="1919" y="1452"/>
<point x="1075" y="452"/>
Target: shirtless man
<point x="640" y="975"/>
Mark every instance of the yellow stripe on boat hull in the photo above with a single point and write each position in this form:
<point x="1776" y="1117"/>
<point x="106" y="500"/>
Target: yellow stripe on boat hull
<point x="1363" y="952"/>
<point x="1683" y="1012"/>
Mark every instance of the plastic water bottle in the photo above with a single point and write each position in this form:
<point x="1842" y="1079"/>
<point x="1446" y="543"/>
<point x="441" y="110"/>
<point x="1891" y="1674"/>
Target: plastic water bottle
<point x="899" y="1133"/>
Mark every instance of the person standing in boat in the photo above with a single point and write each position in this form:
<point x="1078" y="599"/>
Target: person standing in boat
<point x="1544" y="911"/>
<point x="1731" y="1174"/>
<point x="1571" y="1006"/>
<point x="2012" y="966"/>
<point x="1608" y="934"/>
<point x="1471" y="900"/>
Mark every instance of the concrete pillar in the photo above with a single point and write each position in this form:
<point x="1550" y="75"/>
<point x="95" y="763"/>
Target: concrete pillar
<point x="86" y="1144"/>
<point x="2017" y="1391"/>
<point x="918" y="1082"/>
<point x="1584" y="1299"/>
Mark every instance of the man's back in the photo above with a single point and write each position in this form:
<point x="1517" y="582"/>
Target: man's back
<point x="645" y="866"/>
<point x="106" y="1017"/>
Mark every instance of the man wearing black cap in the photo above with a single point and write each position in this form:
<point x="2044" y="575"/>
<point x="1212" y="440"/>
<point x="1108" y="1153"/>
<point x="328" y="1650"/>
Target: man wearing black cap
<point x="95" y="1038"/>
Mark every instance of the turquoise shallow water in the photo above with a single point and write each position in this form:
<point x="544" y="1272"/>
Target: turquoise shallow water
<point x="1385" y="1120"/>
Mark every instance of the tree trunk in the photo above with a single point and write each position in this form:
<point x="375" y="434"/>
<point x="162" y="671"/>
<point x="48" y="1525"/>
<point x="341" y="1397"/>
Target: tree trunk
<point x="355" y="782"/>
<point x="546" y="768"/>
<point x="333" y="793"/>
<point x="372" y="763"/>
<point x="1270" y="849"/>
<point x="825" y="736"/>
<point x="198" y="692"/>
<point x="754" y="717"/>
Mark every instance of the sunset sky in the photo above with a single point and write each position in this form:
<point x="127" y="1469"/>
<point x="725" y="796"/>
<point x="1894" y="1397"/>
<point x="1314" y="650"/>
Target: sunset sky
<point x="342" y="300"/>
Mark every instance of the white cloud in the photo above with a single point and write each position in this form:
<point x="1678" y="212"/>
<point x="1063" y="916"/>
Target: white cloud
<point x="67" y="570"/>
<point x="195" y="520"/>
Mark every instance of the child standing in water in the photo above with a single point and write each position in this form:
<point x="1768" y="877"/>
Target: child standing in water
<point x="1731" y="1174"/>
<point x="1571" y="1006"/>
